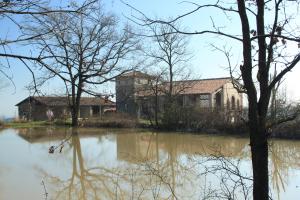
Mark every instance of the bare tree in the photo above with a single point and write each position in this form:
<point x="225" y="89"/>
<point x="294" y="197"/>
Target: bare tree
<point x="267" y="28"/>
<point x="13" y="13"/>
<point x="169" y="54"/>
<point x="274" y="99"/>
<point x="83" y="50"/>
<point x="155" y="86"/>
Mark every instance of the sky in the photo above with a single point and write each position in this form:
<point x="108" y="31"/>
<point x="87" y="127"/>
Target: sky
<point x="206" y="62"/>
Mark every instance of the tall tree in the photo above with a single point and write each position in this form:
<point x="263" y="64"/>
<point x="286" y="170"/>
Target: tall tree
<point x="13" y="14"/>
<point x="169" y="53"/>
<point x="83" y="50"/>
<point x="267" y="30"/>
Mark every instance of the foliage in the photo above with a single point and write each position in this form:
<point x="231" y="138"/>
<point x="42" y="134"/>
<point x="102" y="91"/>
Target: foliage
<point x="171" y="116"/>
<point x="112" y="120"/>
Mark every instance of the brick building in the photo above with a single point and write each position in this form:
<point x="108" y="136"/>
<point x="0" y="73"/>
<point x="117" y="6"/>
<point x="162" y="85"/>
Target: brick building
<point x="36" y="108"/>
<point x="134" y="93"/>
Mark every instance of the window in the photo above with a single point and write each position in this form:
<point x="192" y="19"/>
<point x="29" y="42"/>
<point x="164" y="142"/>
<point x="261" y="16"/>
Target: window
<point x="204" y="100"/>
<point x="233" y="103"/>
<point x="204" y="96"/>
<point x="218" y="99"/>
<point x="228" y="104"/>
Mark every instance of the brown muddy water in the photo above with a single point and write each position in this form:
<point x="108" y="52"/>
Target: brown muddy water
<point x="133" y="164"/>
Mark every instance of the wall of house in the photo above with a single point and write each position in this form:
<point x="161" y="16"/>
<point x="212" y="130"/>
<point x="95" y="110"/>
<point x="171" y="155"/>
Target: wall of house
<point x="126" y="99"/>
<point x="124" y="94"/>
<point x="85" y="111"/>
<point x="197" y="100"/>
<point x="231" y="98"/>
<point x="24" y="111"/>
<point x="59" y="112"/>
<point x="32" y="111"/>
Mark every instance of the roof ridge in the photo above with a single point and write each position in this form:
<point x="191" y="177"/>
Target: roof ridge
<point x="205" y="79"/>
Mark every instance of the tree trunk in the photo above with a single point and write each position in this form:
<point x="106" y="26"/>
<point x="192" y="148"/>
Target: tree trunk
<point x="75" y="112"/>
<point x="76" y="103"/>
<point x="259" y="153"/>
<point x="156" y="109"/>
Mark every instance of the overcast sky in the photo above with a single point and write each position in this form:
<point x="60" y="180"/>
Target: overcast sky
<point x="206" y="63"/>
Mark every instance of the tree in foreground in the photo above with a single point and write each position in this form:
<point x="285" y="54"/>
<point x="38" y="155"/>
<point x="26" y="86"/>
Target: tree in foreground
<point x="83" y="50"/>
<point x="169" y="55"/>
<point x="13" y="14"/>
<point x="268" y="34"/>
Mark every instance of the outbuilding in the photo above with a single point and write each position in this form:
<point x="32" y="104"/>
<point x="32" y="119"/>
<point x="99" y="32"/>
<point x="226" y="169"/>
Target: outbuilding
<point x="57" y="107"/>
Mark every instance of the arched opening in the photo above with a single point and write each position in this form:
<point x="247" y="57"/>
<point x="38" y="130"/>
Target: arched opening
<point x="218" y="100"/>
<point x="233" y="103"/>
<point x="238" y="104"/>
<point x="228" y="104"/>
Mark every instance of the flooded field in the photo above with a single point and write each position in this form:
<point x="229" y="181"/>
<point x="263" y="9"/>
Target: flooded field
<point x="49" y="163"/>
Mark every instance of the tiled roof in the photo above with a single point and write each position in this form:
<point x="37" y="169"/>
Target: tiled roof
<point x="202" y="86"/>
<point x="63" y="101"/>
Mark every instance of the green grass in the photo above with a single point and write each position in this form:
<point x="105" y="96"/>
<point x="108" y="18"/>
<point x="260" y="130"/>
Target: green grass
<point x="111" y="121"/>
<point x="26" y="124"/>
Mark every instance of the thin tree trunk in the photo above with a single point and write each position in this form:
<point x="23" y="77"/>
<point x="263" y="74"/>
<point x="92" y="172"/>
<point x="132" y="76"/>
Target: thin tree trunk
<point x="259" y="153"/>
<point x="76" y="104"/>
<point x="156" y="108"/>
<point x="75" y="112"/>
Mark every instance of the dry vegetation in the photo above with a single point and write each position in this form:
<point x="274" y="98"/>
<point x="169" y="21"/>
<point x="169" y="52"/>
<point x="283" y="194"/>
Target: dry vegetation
<point x="113" y="120"/>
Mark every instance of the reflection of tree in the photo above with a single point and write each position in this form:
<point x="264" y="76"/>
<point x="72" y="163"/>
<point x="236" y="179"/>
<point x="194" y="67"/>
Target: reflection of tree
<point x="84" y="183"/>
<point x="284" y="156"/>
<point x="149" y="179"/>
<point x="158" y="166"/>
<point x="163" y="155"/>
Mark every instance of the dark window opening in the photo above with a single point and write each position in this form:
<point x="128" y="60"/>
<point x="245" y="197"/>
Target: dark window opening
<point x="218" y="100"/>
<point x="228" y="104"/>
<point x="233" y="103"/>
<point x="96" y="110"/>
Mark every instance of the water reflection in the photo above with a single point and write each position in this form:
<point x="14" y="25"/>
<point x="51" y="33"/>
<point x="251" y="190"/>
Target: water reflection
<point x="138" y="147"/>
<point x="125" y="164"/>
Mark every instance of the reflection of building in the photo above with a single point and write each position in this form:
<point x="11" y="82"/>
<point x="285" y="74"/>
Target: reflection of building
<point x="37" y="108"/>
<point x="140" y="147"/>
<point x="135" y="93"/>
<point x="135" y="147"/>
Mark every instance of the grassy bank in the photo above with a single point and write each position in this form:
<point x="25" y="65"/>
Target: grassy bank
<point x="25" y="124"/>
<point x="290" y="130"/>
<point x="34" y="124"/>
<point x="107" y="121"/>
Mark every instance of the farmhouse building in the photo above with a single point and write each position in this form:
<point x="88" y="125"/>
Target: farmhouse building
<point x="135" y="93"/>
<point x="43" y="108"/>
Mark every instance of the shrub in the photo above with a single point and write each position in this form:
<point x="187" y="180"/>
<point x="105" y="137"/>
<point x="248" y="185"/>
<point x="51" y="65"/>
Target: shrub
<point x="176" y="117"/>
<point x="171" y="116"/>
<point x="115" y="120"/>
